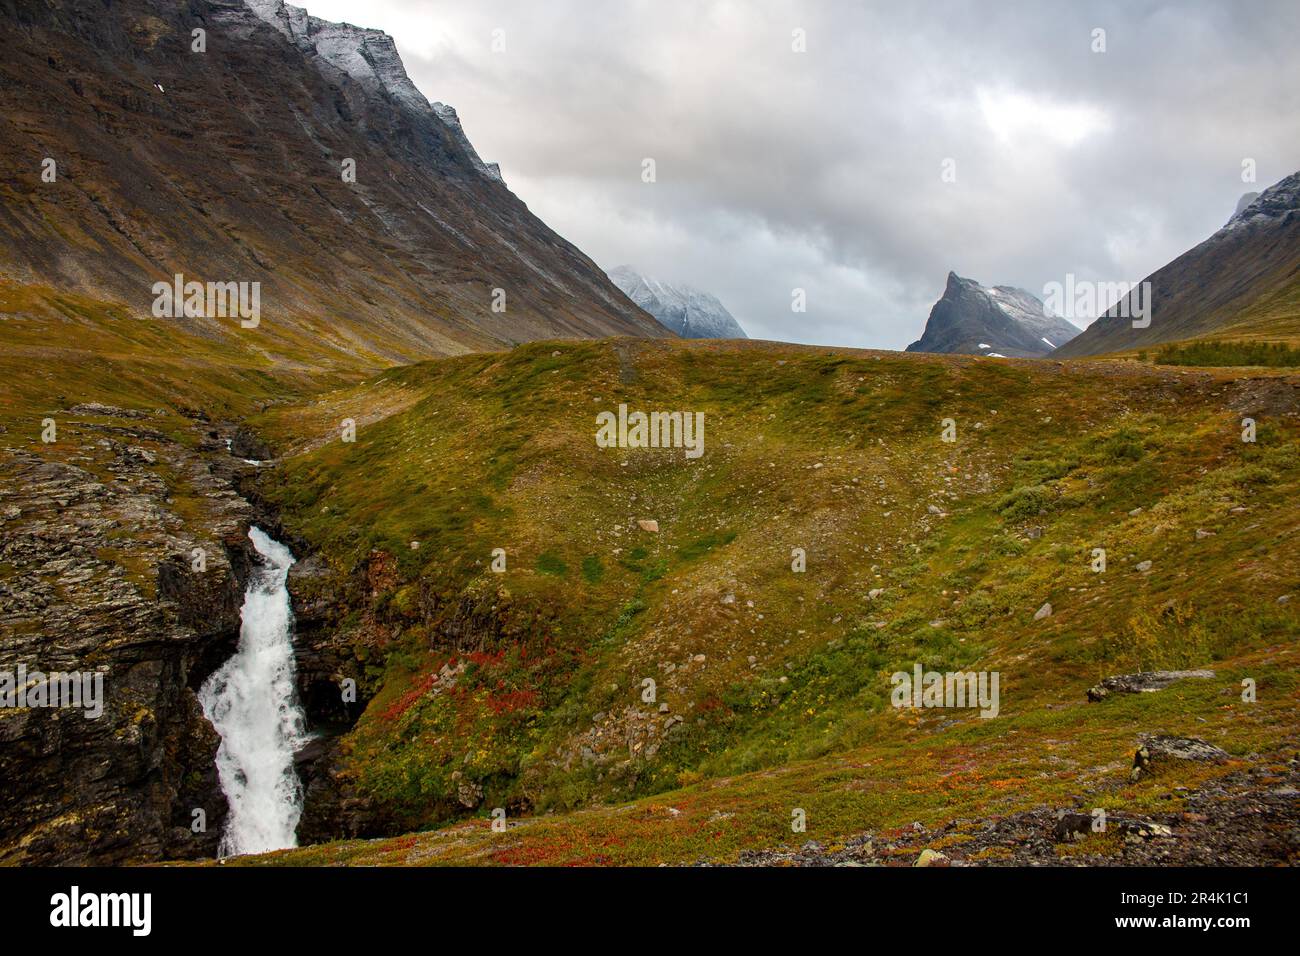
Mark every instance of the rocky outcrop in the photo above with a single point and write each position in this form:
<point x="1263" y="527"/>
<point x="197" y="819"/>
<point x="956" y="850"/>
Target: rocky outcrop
<point x="346" y="622"/>
<point x="369" y="57"/>
<point x="335" y="685"/>
<point x="1247" y="818"/>
<point x="1156" y="750"/>
<point x="1143" y="683"/>
<point x="104" y="576"/>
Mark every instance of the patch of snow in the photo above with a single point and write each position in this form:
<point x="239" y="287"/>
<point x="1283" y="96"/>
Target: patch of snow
<point x="1273" y="205"/>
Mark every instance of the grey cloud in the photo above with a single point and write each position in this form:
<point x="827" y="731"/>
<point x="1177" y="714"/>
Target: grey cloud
<point x="821" y="169"/>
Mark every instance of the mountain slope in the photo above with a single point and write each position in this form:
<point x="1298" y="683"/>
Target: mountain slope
<point x="1243" y="281"/>
<point x="690" y="313"/>
<point x="228" y="165"/>
<point x="971" y="319"/>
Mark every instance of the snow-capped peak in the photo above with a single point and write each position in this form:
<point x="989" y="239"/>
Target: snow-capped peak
<point x="368" y="56"/>
<point x="1274" y="204"/>
<point x="690" y="313"/>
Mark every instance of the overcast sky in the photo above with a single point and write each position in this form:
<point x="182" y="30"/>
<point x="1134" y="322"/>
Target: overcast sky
<point x="822" y="170"/>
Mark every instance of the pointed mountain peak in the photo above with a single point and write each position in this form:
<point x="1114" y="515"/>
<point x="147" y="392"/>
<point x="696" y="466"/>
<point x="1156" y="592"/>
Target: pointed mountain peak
<point x="973" y="319"/>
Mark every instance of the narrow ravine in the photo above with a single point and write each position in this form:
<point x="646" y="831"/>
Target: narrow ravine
<point x="252" y="702"/>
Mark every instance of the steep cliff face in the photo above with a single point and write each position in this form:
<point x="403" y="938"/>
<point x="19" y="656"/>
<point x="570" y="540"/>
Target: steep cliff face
<point x="370" y="58"/>
<point x="123" y="557"/>
<point x="273" y="148"/>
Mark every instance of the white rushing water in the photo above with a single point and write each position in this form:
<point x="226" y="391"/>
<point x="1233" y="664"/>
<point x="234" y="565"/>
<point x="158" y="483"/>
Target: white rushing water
<point x="252" y="701"/>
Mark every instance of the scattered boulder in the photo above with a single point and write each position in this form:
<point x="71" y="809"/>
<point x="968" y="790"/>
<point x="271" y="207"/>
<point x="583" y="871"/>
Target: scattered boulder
<point x="1139" y="830"/>
<point x="1144" y="683"/>
<point x="468" y="793"/>
<point x="651" y="526"/>
<point x="1144" y="566"/>
<point x="931" y="858"/>
<point x="244" y="443"/>
<point x="1155" y="749"/>
<point x="1071" y="827"/>
<point x="106" y="411"/>
<point x="1042" y="612"/>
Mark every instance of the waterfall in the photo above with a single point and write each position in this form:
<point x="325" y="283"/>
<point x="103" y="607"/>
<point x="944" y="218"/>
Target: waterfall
<point x="252" y="701"/>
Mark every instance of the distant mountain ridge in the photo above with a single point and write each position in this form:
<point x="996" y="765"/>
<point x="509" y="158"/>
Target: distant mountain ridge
<point x="1243" y="280"/>
<point x="690" y="313"/>
<point x="972" y="319"/>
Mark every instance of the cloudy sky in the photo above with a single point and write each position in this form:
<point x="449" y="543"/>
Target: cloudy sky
<point x="823" y="169"/>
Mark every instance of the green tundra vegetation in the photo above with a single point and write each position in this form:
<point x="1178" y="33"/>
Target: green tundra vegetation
<point x="772" y="685"/>
<point x="1213" y="352"/>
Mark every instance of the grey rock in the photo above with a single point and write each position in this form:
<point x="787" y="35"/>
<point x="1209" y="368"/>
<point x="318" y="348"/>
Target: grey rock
<point x="930" y="857"/>
<point x="1156" y="749"/>
<point x="119" y="788"/>
<point x="1145" y="682"/>
<point x="1071" y="827"/>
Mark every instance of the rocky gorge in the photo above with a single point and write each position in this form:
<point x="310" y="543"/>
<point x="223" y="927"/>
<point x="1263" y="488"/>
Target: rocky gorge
<point x="125" y="553"/>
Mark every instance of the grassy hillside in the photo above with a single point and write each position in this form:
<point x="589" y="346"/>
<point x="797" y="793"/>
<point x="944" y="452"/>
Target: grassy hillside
<point x="61" y="347"/>
<point x="523" y="689"/>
